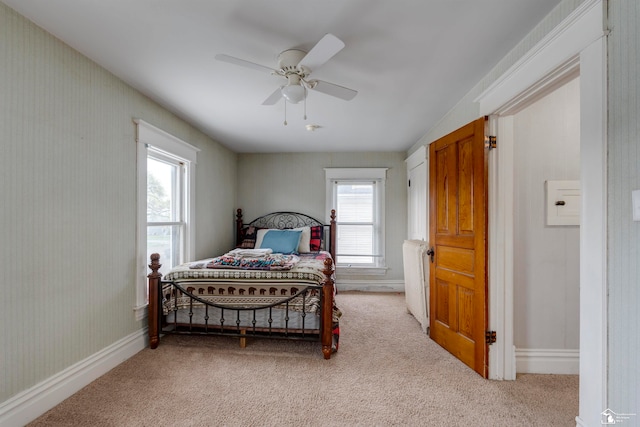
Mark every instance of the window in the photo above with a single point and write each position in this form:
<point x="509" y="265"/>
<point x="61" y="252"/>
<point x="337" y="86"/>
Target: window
<point x="166" y="208"/>
<point x="357" y="195"/>
<point x="166" y="171"/>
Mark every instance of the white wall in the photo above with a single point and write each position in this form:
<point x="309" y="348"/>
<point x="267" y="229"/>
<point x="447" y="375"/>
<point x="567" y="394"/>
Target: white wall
<point x="68" y="215"/>
<point x="546" y="258"/>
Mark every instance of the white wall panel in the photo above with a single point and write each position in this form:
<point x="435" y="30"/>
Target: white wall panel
<point x="624" y="233"/>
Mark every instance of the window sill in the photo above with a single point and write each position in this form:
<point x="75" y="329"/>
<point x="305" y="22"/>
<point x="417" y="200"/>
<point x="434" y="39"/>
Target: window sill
<point x="361" y="271"/>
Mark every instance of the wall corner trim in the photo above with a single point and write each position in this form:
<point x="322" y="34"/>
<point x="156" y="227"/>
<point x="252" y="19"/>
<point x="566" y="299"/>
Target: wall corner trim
<point x="30" y="404"/>
<point x="347" y="285"/>
<point x="577" y="31"/>
<point x="547" y="361"/>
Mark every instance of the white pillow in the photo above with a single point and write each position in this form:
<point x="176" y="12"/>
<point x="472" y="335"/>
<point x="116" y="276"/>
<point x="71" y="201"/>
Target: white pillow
<point x="305" y="238"/>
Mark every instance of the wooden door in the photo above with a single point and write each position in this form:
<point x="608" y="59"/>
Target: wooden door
<point x="457" y="235"/>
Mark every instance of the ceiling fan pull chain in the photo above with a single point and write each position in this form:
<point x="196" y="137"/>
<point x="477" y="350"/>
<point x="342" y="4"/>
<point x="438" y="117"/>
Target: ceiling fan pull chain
<point x="305" y="103"/>
<point x="285" y="112"/>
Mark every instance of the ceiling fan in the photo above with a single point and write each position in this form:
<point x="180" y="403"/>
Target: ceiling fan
<point x="296" y="66"/>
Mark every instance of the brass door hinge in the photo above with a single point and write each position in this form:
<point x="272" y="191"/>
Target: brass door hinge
<point x="490" y="337"/>
<point x="490" y="142"/>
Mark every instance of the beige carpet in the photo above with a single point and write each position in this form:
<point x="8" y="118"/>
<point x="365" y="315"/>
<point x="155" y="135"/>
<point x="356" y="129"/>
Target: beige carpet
<point x="387" y="372"/>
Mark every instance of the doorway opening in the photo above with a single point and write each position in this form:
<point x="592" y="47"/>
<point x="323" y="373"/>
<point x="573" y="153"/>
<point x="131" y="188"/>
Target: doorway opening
<point x="546" y="231"/>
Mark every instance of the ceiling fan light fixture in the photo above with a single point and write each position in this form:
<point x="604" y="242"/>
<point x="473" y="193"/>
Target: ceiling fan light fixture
<point x="294" y="93"/>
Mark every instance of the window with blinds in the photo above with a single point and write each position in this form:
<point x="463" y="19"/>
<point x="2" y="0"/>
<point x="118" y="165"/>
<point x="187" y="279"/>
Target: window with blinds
<point x="355" y="205"/>
<point x="357" y="195"/>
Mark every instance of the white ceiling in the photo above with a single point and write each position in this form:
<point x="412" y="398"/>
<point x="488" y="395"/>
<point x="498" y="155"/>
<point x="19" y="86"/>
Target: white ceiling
<point x="409" y="60"/>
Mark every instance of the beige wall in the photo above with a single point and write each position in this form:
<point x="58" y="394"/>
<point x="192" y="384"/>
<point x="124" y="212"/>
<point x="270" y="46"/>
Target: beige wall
<point x="296" y="182"/>
<point x="68" y="209"/>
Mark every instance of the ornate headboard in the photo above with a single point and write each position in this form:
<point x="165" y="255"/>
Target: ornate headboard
<point x="284" y="220"/>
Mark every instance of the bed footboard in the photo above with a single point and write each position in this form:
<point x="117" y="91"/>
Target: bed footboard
<point x="326" y="336"/>
<point x="285" y="319"/>
<point x="154" y="301"/>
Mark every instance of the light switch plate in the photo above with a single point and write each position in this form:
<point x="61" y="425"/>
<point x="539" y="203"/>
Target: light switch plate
<point x="635" y="202"/>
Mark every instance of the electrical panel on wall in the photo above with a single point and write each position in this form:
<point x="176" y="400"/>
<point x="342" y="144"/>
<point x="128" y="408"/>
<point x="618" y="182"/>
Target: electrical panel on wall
<point x="563" y="202"/>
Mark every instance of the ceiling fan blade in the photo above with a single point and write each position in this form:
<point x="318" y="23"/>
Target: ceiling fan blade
<point x="324" y="50"/>
<point x="334" y="90"/>
<point x="237" y="61"/>
<point x="273" y="98"/>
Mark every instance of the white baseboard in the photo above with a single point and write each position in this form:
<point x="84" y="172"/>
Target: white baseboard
<point x="30" y="404"/>
<point x="370" y="285"/>
<point x="547" y="361"/>
<point x="580" y="423"/>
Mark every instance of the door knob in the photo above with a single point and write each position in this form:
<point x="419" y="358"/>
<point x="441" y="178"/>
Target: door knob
<point x="431" y="253"/>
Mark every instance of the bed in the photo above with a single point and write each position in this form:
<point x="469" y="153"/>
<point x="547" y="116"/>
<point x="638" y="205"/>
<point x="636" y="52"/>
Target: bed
<point x="278" y="282"/>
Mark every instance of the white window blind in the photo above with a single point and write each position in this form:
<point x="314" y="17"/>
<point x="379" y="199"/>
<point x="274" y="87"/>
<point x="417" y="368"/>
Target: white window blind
<point x="355" y="206"/>
<point x="357" y="194"/>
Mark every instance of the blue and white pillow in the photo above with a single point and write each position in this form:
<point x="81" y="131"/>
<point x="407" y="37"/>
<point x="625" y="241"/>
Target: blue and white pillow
<point x="282" y="241"/>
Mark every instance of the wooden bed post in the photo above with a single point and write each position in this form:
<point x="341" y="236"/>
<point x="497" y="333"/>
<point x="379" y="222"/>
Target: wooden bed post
<point x="153" y="314"/>
<point x="239" y="226"/>
<point x="327" y="309"/>
<point x="332" y="233"/>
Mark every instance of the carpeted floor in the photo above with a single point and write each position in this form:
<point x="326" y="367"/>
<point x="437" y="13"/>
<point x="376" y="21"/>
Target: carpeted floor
<point x="386" y="373"/>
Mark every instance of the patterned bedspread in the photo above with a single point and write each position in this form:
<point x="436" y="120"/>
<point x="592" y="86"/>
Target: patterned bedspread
<point x="269" y="262"/>
<point x="308" y="270"/>
<point x="236" y="287"/>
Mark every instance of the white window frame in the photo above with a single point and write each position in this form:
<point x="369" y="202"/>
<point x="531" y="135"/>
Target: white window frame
<point x="379" y="175"/>
<point x="150" y="137"/>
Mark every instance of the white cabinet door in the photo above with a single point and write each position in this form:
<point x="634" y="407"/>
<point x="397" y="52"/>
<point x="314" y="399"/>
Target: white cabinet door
<point x="418" y="214"/>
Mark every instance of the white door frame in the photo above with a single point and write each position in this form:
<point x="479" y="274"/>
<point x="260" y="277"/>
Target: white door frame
<point x="578" y="44"/>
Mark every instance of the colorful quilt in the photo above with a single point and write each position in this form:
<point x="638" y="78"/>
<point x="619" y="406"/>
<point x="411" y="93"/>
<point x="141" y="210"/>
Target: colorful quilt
<point x="269" y="262"/>
<point x="308" y="270"/>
